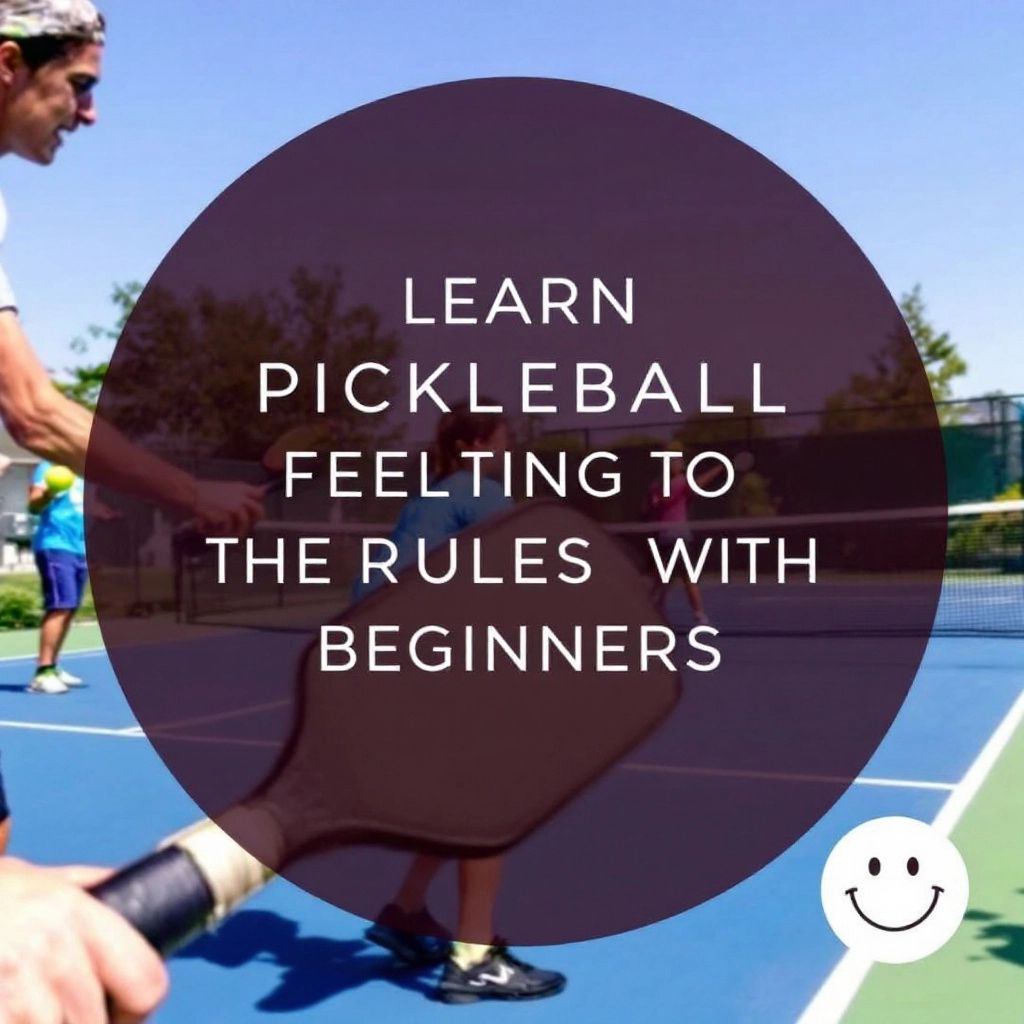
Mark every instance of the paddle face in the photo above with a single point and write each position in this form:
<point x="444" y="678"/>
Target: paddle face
<point x="316" y="436"/>
<point x="465" y="761"/>
<point x="471" y="758"/>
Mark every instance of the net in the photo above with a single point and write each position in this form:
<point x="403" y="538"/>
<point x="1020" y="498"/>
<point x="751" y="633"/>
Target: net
<point x="870" y="573"/>
<point x="873" y="573"/>
<point x="983" y="588"/>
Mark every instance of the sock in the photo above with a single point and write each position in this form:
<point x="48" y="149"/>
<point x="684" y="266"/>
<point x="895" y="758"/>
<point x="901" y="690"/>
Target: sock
<point x="46" y="668"/>
<point x="468" y="954"/>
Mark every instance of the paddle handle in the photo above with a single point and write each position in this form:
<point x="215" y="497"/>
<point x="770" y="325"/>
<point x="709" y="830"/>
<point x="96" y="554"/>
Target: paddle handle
<point x="177" y="892"/>
<point x="164" y="896"/>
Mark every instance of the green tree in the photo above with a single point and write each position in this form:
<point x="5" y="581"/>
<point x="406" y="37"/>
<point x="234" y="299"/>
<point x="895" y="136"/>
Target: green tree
<point x="942" y="362"/>
<point x="86" y="379"/>
<point x="186" y="368"/>
<point x="892" y="394"/>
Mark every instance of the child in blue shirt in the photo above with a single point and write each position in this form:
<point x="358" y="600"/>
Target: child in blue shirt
<point x="59" y="547"/>
<point x="478" y="967"/>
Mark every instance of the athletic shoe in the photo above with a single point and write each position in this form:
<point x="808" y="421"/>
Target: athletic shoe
<point x="701" y="619"/>
<point x="416" y="939"/>
<point x="67" y="678"/>
<point x="47" y="681"/>
<point x="499" y="975"/>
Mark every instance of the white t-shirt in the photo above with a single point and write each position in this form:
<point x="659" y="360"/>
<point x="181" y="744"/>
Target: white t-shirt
<point x="7" y="299"/>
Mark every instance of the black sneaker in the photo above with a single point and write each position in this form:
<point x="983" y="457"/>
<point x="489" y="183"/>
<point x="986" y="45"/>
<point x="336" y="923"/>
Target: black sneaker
<point x="499" y="975"/>
<point x="416" y="939"/>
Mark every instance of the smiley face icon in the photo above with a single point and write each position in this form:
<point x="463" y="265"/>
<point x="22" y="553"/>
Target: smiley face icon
<point x="894" y="889"/>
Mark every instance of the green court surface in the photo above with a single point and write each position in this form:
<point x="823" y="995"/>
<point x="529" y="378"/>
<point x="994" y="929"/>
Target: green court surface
<point x="18" y="643"/>
<point x="979" y="974"/>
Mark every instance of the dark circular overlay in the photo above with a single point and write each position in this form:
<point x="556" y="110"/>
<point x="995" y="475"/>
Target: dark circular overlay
<point x="484" y="227"/>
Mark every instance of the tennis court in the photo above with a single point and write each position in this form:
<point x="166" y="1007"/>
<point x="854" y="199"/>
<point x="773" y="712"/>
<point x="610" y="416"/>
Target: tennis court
<point x="86" y="785"/>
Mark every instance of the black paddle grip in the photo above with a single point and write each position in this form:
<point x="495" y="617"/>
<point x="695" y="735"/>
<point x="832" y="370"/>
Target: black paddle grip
<point x="163" y="895"/>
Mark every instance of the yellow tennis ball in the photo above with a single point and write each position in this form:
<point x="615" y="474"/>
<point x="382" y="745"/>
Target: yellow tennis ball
<point x="59" y="478"/>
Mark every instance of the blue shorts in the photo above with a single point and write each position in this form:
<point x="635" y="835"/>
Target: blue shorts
<point x="63" y="576"/>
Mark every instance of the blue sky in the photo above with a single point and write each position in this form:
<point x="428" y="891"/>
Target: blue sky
<point x="903" y="119"/>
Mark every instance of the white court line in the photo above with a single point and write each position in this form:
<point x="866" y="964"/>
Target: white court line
<point x="834" y="997"/>
<point x="136" y="732"/>
<point x="227" y="741"/>
<point x="88" y="730"/>
<point x="763" y="776"/>
<point x="220" y="716"/>
<point x="88" y="652"/>
<point x="864" y="780"/>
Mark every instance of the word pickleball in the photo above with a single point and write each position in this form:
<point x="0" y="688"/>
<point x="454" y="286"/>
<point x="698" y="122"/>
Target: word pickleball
<point x="641" y="319"/>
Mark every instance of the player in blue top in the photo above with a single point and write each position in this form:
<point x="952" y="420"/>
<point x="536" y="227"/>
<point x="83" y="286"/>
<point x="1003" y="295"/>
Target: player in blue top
<point x="479" y="967"/>
<point x="59" y="546"/>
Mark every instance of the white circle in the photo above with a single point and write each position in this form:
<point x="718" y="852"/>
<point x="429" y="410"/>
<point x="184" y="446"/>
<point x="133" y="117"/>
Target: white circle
<point x="894" y="889"/>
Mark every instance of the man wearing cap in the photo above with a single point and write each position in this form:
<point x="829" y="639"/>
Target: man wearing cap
<point x="50" y="61"/>
<point x="62" y="954"/>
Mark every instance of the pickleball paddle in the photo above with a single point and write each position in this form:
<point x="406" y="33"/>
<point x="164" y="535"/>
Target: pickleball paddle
<point x="314" y="436"/>
<point x="464" y="761"/>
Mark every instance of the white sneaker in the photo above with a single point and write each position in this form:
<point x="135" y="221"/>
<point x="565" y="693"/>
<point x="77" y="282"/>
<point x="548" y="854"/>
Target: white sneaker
<point x="67" y="678"/>
<point x="47" y="682"/>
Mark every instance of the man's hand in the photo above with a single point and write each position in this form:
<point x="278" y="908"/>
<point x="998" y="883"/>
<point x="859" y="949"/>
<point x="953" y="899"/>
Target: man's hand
<point x="39" y="496"/>
<point x="63" y="954"/>
<point x="224" y="507"/>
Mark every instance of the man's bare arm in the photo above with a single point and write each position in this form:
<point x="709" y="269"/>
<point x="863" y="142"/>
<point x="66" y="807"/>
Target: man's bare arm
<point x="38" y="416"/>
<point x="53" y="427"/>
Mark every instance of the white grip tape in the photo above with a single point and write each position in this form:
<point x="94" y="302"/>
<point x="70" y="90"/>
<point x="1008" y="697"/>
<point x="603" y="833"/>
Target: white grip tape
<point x="232" y="873"/>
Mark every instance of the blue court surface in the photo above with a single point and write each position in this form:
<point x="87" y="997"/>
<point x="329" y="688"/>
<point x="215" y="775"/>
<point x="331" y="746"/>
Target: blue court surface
<point x="85" y="785"/>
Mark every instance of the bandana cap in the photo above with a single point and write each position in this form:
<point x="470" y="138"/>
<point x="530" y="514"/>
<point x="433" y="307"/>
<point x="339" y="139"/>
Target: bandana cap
<point x="28" y="19"/>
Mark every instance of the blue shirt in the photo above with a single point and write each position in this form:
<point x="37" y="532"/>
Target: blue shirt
<point x="62" y="523"/>
<point x="434" y="520"/>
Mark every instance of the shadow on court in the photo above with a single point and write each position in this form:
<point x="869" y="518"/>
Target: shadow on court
<point x="22" y="688"/>
<point x="1003" y="940"/>
<point x="313" y="969"/>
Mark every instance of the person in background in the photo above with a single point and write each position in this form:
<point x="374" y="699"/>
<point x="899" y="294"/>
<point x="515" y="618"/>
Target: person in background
<point x="478" y="965"/>
<point x="59" y="548"/>
<point x="672" y="511"/>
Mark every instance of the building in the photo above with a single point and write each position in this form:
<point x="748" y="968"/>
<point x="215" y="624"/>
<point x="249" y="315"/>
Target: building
<point x="15" y="522"/>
